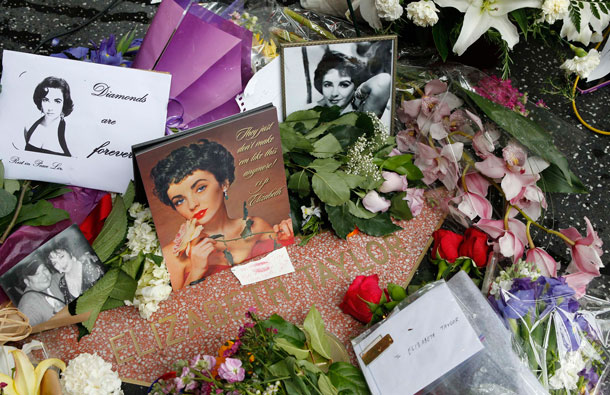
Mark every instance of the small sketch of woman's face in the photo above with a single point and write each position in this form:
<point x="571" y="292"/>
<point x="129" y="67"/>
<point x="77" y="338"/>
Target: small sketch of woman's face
<point x="337" y="89"/>
<point x="61" y="260"/>
<point x="52" y="104"/>
<point x="198" y="196"/>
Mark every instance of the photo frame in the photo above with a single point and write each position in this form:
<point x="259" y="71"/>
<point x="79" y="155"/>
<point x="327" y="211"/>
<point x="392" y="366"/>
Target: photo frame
<point x="354" y="74"/>
<point x="52" y="276"/>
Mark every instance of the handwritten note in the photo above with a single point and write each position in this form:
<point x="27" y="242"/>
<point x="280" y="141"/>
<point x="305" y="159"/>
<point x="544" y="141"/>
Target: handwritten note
<point x="431" y="337"/>
<point x="274" y="264"/>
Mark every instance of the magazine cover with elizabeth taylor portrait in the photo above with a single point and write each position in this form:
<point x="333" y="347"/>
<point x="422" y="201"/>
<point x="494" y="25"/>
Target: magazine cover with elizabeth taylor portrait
<point x="217" y="194"/>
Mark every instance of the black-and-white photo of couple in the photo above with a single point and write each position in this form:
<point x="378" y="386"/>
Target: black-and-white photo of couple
<point x="47" y="134"/>
<point x="54" y="275"/>
<point x="355" y="76"/>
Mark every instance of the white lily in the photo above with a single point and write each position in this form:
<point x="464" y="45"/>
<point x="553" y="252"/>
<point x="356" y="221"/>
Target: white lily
<point x="27" y="378"/>
<point x="480" y="15"/>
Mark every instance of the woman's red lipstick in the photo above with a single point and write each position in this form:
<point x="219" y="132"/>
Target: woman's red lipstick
<point x="200" y="214"/>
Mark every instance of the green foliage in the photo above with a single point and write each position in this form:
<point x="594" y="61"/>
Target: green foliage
<point x="314" y="326"/>
<point x="113" y="232"/>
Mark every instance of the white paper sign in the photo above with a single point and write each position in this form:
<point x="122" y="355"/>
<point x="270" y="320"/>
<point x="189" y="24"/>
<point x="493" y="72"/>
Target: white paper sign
<point x="274" y="264"/>
<point x="431" y="337"/>
<point x="74" y="122"/>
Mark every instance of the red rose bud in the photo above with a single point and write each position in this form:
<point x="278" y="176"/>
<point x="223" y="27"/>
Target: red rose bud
<point x="475" y="246"/>
<point x="363" y="290"/>
<point x="446" y="245"/>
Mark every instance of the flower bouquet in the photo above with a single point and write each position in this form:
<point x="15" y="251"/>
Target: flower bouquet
<point x="561" y="341"/>
<point x="268" y="356"/>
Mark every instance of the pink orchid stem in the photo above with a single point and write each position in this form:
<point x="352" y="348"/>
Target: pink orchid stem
<point x="464" y="177"/>
<point x="529" y="236"/>
<point x="460" y="133"/>
<point x="551" y="231"/>
<point x="417" y="88"/>
<point x="508" y="207"/>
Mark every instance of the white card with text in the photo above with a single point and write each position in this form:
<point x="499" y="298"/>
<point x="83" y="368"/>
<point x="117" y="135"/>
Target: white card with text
<point x="74" y="122"/>
<point x="274" y="264"/>
<point x="431" y="336"/>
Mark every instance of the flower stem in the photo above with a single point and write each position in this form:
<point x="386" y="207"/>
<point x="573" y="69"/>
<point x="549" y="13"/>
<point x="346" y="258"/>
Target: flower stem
<point x="551" y="231"/>
<point x="460" y="133"/>
<point x="529" y="236"/>
<point x="24" y="189"/>
<point x="464" y="177"/>
<point x="239" y="238"/>
<point x="508" y="207"/>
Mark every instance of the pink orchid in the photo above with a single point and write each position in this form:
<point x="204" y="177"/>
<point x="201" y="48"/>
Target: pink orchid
<point x="484" y="141"/>
<point x="406" y="140"/>
<point x="415" y="198"/>
<point x="543" y="261"/>
<point x="393" y="182"/>
<point x="531" y="200"/>
<point x="578" y="282"/>
<point x="441" y="165"/>
<point x="394" y="152"/>
<point x="375" y="203"/>
<point x="509" y="242"/>
<point x="474" y="205"/>
<point x="586" y="251"/>
<point x="476" y="183"/>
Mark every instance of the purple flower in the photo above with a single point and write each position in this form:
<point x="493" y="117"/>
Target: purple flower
<point x="205" y="363"/>
<point x="231" y="370"/>
<point x="591" y="376"/>
<point x="242" y="329"/>
<point x="233" y="350"/>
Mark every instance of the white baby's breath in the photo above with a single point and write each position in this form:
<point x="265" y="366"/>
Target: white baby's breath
<point x="89" y="374"/>
<point x="423" y="13"/>
<point x="566" y="377"/>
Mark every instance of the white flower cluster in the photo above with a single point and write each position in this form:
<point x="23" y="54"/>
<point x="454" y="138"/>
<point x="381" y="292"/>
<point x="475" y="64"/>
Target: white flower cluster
<point x="271" y="389"/>
<point x="423" y="13"/>
<point x="141" y="237"/>
<point x="360" y="160"/>
<point x="520" y="270"/>
<point x="552" y="10"/>
<point x="566" y="377"/>
<point x="390" y="10"/>
<point x="89" y="374"/>
<point x="153" y="288"/>
<point x="582" y="65"/>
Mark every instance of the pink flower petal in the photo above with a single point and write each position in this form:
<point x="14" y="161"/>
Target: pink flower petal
<point x="476" y="183"/>
<point x="492" y="167"/>
<point x="578" y="282"/>
<point x="543" y="261"/>
<point x="393" y="182"/>
<point x="375" y="203"/>
<point x="435" y="87"/>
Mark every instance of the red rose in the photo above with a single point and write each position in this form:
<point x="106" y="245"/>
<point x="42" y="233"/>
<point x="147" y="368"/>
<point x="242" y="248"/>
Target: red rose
<point x="446" y="243"/>
<point x="362" y="288"/>
<point x="475" y="246"/>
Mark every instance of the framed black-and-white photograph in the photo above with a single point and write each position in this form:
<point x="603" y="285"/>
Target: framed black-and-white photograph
<point x="54" y="275"/>
<point x="354" y="74"/>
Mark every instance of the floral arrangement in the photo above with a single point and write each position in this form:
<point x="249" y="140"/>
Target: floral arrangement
<point x="109" y="51"/>
<point x="561" y="341"/>
<point x="501" y="21"/>
<point x="268" y="357"/>
<point x="367" y="302"/>
<point x="90" y="374"/>
<point x="348" y="166"/>
<point x="452" y="252"/>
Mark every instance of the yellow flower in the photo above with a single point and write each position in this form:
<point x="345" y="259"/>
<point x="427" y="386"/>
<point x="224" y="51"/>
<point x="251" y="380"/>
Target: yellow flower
<point x="27" y="378"/>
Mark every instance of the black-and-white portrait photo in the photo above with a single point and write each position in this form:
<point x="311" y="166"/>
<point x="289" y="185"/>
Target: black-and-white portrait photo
<point x="54" y="275"/>
<point x="355" y="75"/>
<point x="47" y="134"/>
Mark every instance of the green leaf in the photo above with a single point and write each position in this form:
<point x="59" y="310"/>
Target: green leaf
<point x="157" y="260"/>
<point x="309" y="366"/>
<point x="245" y="212"/>
<point x="357" y="210"/>
<point x="397" y="293"/>
<point x="330" y="188"/>
<point x="594" y="10"/>
<point x="346" y="377"/>
<point x="125" y="287"/>
<point x="8" y="202"/>
<point x="279" y="369"/>
<point x="326" y="147"/>
<point x="329" y="114"/>
<point x="328" y="165"/>
<point x="340" y="219"/>
<point x="95" y="297"/>
<point x="112" y="303"/>
<point x="520" y="16"/>
<point x="129" y="195"/>
<point x="123" y="45"/>
<point x="293" y="140"/>
<point x="314" y="326"/>
<point x="347" y="119"/>
<point x="113" y="232"/>
<point x="300" y="158"/>
<point x="247" y="232"/>
<point x="285" y="330"/>
<point x="132" y="266"/>
<point x="11" y="186"/>
<point x="380" y="225"/>
<point x="326" y="387"/>
<point x="1" y="174"/>
<point x="291" y="349"/>
<point x="526" y="131"/>
<point x="300" y="387"/>
<point x="308" y="117"/>
<point x="299" y="182"/>
<point x="552" y="180"/>
<point x="228" y="257"/>
<point x="400" y="207"/>
<point x="441" y="38"/>
<point x="50" y="217"/>
<point x="346" y="134"/>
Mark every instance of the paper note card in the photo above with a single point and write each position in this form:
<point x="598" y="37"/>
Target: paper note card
<point x="274" y="264"/>
<point x="430" y="337"/>
<point x="74" y="122"/>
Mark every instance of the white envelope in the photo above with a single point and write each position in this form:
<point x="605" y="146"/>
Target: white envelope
<point x="89" y="146"/>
